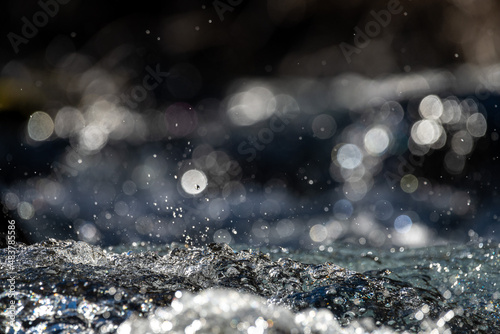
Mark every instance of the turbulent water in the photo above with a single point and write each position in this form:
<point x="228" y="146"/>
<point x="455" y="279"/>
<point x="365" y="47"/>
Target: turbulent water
<point x="74" y="287"/>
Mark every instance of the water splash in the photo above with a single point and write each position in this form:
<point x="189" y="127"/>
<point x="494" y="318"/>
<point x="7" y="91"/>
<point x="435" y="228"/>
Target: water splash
<point x="73" y="287"/>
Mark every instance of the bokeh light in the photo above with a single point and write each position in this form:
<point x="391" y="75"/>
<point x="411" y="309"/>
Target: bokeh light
<point x="409" y="183"/>
<point x="91" y="139"/>
<point x="285" y="228"/>
<point x="11" y="201"/>
<point x="132" y="164"/>
<point x="249" y="107"/>
<point x="426" y="132"/>
<point x="25" y="210"/>
<point x="431" y="107"/>
<point x="343" y="209"/>
<point x="324" y="126"/>
<point x="452" y="113"/>
<point x="318" y="233"/>
<point x="462" y="143"/>
<point x="349" y="156"/>
<point x="40" y="126"/>
<point x="194" y="181"/>
<point x="403" y="224"/>
<point x="377" y="140"/>
<point x="68" y="122"/>
<point x="476" y="125"/>
<point x="222" y="236"/>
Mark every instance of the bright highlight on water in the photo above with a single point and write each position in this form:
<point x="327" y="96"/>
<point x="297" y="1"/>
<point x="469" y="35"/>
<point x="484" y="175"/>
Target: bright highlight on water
<point x="194" y="182"/>
<point x="40" y="126"/>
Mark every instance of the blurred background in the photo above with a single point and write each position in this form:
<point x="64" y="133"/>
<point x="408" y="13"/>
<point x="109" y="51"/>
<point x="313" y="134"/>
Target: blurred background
<point x="295" y="123"/>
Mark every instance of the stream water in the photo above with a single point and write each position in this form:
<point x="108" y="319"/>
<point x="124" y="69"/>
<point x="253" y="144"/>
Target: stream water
<point x="74" y="287"/>
<point x="165" y="170"/>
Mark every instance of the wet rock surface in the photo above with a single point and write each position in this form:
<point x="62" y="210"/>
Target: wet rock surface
<point x="74" y="287"/>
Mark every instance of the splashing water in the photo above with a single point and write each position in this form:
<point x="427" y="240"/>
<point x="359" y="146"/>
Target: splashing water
<point x="73" y="287"/>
